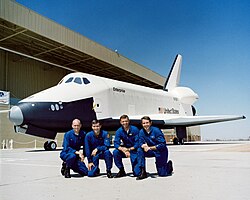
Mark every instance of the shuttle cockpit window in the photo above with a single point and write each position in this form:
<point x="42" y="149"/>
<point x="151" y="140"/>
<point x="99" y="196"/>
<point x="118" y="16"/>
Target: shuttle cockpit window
<point x="69" y="80"/>
<point x="86" y="81"/>
<point x="78" y="80"/>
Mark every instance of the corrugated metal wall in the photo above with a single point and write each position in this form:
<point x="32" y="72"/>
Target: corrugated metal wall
<point x="2" y="70"/>
<point x="23" y="77"/>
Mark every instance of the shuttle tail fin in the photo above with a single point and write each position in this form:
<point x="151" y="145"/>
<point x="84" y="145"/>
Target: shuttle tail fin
<point x="173" y="78"/>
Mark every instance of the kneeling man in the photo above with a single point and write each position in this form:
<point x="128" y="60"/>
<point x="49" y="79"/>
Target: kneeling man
<point x="153" y="144"/>
<point x="97" y="143"/>
<point x="126" y="145"/>
<point x="71" y="155"/>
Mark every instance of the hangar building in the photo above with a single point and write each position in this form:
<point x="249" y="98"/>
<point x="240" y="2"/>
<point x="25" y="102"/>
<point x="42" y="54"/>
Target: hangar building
<point x="36" y="52"/>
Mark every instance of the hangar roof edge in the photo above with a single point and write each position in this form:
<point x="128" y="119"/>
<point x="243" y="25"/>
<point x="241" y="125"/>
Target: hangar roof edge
<point x="31" y="25"/>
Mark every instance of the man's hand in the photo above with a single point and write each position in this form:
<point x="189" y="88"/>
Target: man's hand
<point x="90" y="165"/>
<point x="145" y="147"/>
<point x="81" y="156"/>
<point x="127" y="154"/>
<point x="125" y="151"/>
<point x="94" y="152"/>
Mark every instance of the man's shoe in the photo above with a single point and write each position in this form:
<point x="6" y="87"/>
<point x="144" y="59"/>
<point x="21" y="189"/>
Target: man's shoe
<point x="170" y="167"/>
<point x="63" y="168"/>
<point x="67" y="172"/>
<point x="98" y="172"/>
<point x="120" y="174"/>
<point x="109" y="174"/>
<point x="143" y="175"/>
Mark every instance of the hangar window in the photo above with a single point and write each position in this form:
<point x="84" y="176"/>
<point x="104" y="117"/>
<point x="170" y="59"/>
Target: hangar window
<point x="86" y="81"/>
<point x="69" y="80"/>
<point x="78" y="80"/>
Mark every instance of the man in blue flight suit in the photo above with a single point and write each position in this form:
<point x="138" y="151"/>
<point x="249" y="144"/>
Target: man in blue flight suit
<point x="153" y="144"/>
<point x="97" y="143"/>
<point x="126" y="145"/>
<point x="71" y="155"/>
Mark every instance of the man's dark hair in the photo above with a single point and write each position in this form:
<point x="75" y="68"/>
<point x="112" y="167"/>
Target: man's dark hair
<point x="124" y="117"/>
<point x="95" y="121"/>
<point x="146" y="118"/>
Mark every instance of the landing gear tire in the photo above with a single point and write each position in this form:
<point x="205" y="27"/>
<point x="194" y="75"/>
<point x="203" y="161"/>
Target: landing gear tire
<point x="46" y="147"/>
<point x="175" y="141"/>
<point x="181" y="141"/>
<point x="50" y="145"/>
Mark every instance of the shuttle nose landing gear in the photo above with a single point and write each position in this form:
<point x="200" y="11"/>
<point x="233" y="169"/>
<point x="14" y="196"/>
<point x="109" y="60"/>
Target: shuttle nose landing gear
<point x="177" y="141"/>
<point x="50" y="145"/>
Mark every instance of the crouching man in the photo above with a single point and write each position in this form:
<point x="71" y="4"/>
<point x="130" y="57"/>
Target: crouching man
<point x="71" y="155"/>
<point x="126" y="145"/>
<point x="97" y="143"/>
<point x="153" y="144"/>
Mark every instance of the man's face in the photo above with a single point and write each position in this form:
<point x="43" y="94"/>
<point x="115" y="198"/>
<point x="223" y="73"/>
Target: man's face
<point x="125" y="123"/>
<point x="76" y="125"/>
<point x="146" y="124"/>
<point x="96" y="128"/>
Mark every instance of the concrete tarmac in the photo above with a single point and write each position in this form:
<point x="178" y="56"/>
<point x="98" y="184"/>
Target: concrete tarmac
<point x="201" y="171"/>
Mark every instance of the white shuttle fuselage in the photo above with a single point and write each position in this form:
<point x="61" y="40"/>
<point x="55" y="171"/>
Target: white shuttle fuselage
<point x="113" y="98"/>
<point x="88" y="97"/>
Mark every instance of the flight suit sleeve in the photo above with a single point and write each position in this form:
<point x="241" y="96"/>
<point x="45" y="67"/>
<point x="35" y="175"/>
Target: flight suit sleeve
<point x="141" y="139"/>
<point x="136" y="145"/>
<point x="117" y="141"/>
<point x="87" y="149"/>
<point x="161" y="142"/>
<point x="66" y="144"/>
<point x="83" y="143"/>
<point x="106" y="145"/>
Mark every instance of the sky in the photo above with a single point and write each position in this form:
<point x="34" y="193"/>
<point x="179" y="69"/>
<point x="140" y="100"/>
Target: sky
<point x="213" y="37"/>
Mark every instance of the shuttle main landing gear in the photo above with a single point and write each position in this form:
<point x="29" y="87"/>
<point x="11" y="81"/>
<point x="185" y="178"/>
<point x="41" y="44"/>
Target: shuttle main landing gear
<point x="177" y="141"/>
<point x="50" y="145"/>
<point x="181" y="133"/>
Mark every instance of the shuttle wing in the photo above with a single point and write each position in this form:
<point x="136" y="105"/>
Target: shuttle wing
<point x="163" y="120"/>
<point x="200" y="120"/>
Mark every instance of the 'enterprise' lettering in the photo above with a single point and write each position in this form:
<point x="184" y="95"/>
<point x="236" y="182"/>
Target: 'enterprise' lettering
<point x="118" y="90"/>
